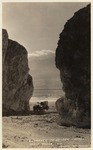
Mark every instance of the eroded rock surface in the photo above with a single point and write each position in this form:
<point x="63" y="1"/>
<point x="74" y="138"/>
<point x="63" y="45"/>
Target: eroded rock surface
<point x="17" y="83"/>
<point x="73" y="61"/>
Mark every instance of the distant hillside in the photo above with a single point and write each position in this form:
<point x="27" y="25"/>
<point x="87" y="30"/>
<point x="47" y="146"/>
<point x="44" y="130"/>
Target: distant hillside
<point x="48" y="93"/>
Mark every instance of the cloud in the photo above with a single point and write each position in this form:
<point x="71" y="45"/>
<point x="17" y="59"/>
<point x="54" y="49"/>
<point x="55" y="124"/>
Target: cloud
<point x="41" y="53"/>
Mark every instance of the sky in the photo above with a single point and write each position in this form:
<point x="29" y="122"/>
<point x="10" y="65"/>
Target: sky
<point x="37" y="26"/>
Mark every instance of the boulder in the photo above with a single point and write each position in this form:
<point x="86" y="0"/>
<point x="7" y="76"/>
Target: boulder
<point x="17" y="83"/>
<point x="73" y="61"/>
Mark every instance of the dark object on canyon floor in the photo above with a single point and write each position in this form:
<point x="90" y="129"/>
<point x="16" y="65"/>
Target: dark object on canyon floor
<point x="41" y="107"/>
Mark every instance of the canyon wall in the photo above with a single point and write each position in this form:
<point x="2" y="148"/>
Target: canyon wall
<point x="17" y="86"/>
<point x="73" y="61"/>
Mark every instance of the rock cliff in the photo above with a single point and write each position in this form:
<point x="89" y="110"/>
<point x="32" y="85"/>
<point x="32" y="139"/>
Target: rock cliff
<point x="73" y="61"/>
<point x="17" y="83"/>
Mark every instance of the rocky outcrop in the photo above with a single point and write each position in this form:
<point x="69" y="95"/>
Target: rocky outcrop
<point x="73" y="61"/>
<point x="17" y="83"/>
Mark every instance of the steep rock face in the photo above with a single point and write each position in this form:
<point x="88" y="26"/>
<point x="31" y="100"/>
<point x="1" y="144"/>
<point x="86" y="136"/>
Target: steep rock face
<point x="73" y="61"/>
<point x="17" y="83"/>
<point x="4" y="42"/>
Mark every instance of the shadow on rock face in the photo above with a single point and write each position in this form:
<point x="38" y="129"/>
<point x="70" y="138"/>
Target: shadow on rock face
<point x="71" y="115"/>
<point x="17" y="83"/>
<point x="73" y="61"/>
<point x="16" y="113"/>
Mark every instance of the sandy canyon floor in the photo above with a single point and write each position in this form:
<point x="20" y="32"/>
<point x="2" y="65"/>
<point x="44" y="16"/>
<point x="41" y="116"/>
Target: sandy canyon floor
<point x="42" y="131"/>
